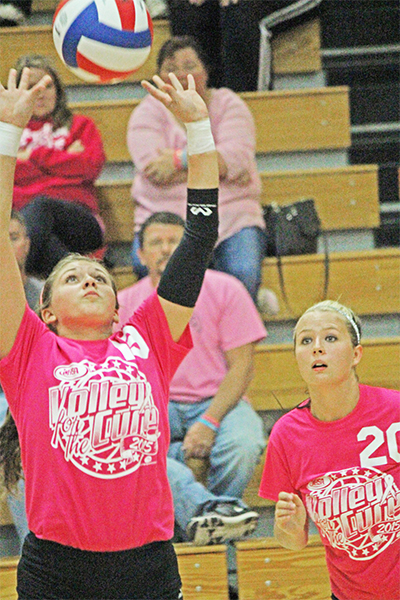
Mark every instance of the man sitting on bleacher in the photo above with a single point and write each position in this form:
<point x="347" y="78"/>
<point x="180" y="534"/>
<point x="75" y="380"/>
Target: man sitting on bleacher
<point x="209" y="418"/>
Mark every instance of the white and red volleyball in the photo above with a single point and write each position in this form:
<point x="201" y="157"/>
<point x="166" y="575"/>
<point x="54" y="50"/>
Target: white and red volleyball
<point x="103" y="41"/>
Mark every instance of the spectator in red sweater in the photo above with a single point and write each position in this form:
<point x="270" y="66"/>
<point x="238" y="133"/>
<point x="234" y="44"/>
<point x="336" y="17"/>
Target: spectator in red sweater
<point x="60" y="157"/>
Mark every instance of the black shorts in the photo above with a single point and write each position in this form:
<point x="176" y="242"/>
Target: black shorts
<point x="51" y="571"/>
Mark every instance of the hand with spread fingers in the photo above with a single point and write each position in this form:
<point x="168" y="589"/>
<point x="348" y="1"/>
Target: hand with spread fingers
<point x="185" y="105"/>
<point x="16" y="102"/>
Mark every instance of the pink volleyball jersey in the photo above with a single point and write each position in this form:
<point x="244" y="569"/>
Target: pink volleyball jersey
<point x="347" y="473"/>
<point x="92" y="418"/>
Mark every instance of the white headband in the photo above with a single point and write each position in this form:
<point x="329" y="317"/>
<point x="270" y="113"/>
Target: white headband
<point x="352" y="322"/>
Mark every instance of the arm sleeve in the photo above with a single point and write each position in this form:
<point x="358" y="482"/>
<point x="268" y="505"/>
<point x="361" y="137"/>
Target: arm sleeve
<point x="183" y="276"/>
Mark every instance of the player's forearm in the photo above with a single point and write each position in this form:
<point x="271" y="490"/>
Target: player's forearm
<point x="7" y="170"/>
<point x="183" y="276"/>
<point x="296" y="540"/>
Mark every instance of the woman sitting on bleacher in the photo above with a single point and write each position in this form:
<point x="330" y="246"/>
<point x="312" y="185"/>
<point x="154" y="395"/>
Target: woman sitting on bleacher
<point x="157" y="143"/>
<point x="335" y="459"/>
<point x="60" y="157"/>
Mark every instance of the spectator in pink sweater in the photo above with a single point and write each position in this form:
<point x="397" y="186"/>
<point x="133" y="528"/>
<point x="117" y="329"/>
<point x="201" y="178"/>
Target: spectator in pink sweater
<point x="60" y="157"/>
<point x="157" y="143"/>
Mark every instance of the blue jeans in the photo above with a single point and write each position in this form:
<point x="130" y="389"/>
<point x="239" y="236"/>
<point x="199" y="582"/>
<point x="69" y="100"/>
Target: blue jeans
<point x="234" y="456"/>
<point x="241" y="255"/>
<point x="16" y="502"/>
<point x="3" y="407"/>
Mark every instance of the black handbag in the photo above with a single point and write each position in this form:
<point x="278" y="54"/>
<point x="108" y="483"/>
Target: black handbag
<point x="293" y="229"/>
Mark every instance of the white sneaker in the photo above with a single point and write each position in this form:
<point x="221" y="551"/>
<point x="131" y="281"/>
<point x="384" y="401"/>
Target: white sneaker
<point x="220" y="522"/>
<point x="267" y="302"/>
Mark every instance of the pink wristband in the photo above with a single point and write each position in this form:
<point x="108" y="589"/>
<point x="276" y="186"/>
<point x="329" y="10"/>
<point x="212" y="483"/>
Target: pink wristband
<point x="177" y="157"/>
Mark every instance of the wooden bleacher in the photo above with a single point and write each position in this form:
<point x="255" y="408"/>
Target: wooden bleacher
<point x="8" y="578"/>
<point x="345" y="197"/>
<point x="293" y="51"/>
<point x="286" y="120"/>
<point x="268" y="571"/>
<point x="366" y="280"/>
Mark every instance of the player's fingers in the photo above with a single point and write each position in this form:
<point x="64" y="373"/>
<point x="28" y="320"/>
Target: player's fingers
<point x="191" y="82"/>
<point x="40" y="85"/>
<point x="175" y="82"/>
<point x="286" y="496"/>
<point x="24" y="81"/>
<point x="297" y="500"/>
<point x="157" y="93"/>
<point x="161" y="84"/>
<point x="12" y="76"/>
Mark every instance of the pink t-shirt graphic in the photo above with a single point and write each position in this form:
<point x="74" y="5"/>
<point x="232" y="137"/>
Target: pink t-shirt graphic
<point x="92" y="418"/>
<point x="104" y="417"/>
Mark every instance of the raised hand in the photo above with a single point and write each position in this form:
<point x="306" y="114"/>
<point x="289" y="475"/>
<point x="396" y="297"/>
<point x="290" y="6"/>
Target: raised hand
<point x="185" y="105"/>
<point x="16" y="103"/>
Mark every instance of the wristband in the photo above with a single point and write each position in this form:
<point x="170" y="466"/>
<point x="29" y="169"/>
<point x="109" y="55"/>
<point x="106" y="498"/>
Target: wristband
<point x="199" y="137"/>
<point x="184" y="158"/>
<point x="206" y="422"/>
<point x="178" y="162"/>
<point x="10" y="137"/>
<point x="213" y="423"/>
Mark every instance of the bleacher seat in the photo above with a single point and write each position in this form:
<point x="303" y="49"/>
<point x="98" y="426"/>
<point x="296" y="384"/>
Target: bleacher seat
<point x="268" y="571"/>
<point x="294" y="51"/>
<point x="345" y="197"/>
<point x="8" y="578"/>
<point x="366" y="280"/>
<point x="286" y="120"/>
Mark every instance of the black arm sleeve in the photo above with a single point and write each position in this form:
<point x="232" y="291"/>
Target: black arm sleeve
<point x="183" y="276"/>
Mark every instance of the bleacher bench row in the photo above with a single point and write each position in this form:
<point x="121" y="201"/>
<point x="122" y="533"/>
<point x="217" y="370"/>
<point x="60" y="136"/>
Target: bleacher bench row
<point x="294" y="51"/>
<point x="366" y="280"/>
<point x="345" y="198"/>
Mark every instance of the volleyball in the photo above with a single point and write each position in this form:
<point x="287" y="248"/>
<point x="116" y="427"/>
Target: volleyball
<point x="102" y="41"/>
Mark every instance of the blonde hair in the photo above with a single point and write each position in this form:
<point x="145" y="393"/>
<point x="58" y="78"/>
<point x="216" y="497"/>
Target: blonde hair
<point x="352" y="321"/>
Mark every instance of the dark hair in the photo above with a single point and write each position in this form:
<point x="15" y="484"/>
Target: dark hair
<point x="163" y="217"/>
<point x="171" y="46"/>
<point x="61" y="115"/>
<point x="10" y="454"/>
<point x="17" y="216"/>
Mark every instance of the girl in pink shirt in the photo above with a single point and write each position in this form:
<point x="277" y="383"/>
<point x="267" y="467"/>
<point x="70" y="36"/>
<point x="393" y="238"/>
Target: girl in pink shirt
<point x="335" y="459"/>
<point x="91" y="407"/>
